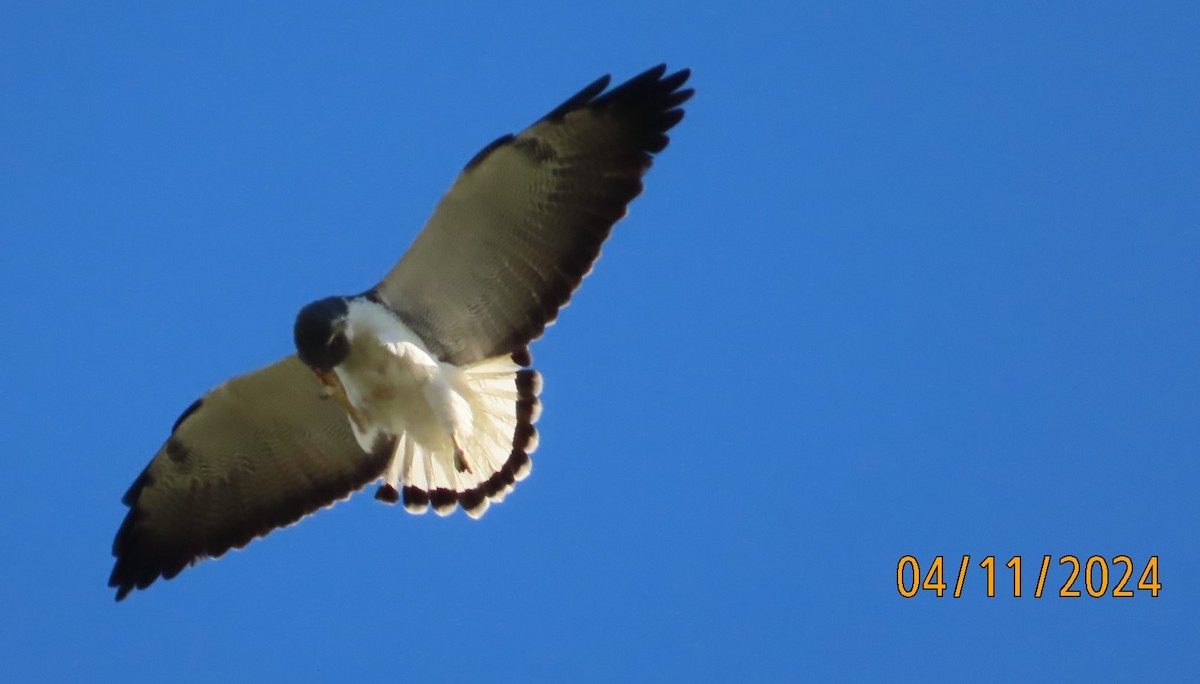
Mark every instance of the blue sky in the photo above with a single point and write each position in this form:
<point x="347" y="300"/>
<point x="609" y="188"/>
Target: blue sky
<point x="909" y="280"/>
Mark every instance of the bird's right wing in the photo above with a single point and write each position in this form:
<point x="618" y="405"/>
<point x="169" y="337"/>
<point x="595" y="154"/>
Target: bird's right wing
<point x="258" y="452"/>
<point x="523" y="224"/>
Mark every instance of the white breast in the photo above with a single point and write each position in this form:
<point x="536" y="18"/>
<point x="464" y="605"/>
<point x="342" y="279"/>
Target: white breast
<point x="463" y="435"/>
<point x="396" y="384"/>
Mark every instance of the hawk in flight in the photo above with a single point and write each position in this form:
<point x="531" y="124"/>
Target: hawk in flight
<point x="422" y="381"/>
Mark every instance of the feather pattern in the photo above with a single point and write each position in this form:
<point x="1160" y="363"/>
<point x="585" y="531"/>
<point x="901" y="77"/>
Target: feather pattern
<point x="524" y="222"/>
<point x="503" y="252"/>
<point x="259" y="452"/>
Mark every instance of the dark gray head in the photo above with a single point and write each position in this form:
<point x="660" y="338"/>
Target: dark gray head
<point x="321" y="333"/>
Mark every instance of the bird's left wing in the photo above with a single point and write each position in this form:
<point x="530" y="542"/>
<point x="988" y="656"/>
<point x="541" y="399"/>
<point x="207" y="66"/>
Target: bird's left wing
<point x="258" y="452"/>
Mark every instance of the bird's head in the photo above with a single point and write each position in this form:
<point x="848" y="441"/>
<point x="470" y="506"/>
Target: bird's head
<point x="320" y="331"/>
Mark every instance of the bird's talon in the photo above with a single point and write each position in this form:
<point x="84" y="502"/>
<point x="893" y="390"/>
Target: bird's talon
<point x="461" y="463"/>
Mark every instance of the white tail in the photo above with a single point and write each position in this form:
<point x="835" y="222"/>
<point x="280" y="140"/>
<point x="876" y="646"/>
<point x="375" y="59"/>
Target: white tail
<point x="503" y="398"/>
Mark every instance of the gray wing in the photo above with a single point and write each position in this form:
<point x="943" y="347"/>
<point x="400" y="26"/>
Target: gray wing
<point x="524" y="221"/>
<point x="257" y="453"/>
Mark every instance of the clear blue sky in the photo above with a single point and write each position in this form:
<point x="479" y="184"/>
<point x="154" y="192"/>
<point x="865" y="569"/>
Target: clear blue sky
<point x="909" y="280"/>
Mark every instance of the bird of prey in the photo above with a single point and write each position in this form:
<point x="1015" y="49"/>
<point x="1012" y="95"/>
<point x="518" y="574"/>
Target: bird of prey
<point x="422" y="381"/>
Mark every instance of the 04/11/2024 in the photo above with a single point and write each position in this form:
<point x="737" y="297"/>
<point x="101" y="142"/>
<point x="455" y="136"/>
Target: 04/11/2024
<point x="1095" y="573"/>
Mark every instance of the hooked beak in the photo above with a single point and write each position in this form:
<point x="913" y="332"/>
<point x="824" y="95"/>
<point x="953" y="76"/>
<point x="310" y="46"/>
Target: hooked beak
<point x="338" y="327"/>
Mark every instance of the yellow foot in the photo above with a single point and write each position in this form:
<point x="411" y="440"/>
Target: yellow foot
<point x="333" y="388"/>
<point x="461" y="462"/>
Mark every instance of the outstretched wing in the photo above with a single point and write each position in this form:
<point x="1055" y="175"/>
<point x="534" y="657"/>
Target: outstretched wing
<point x="524" y="222"/>
<point x="257" y="453"/>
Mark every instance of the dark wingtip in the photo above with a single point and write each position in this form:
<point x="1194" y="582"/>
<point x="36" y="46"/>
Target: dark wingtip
<point x="145" y="554"/>
<point x="124" y="577"/>
<point x="652" y="91"/>
<point x="579" y="99"/>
